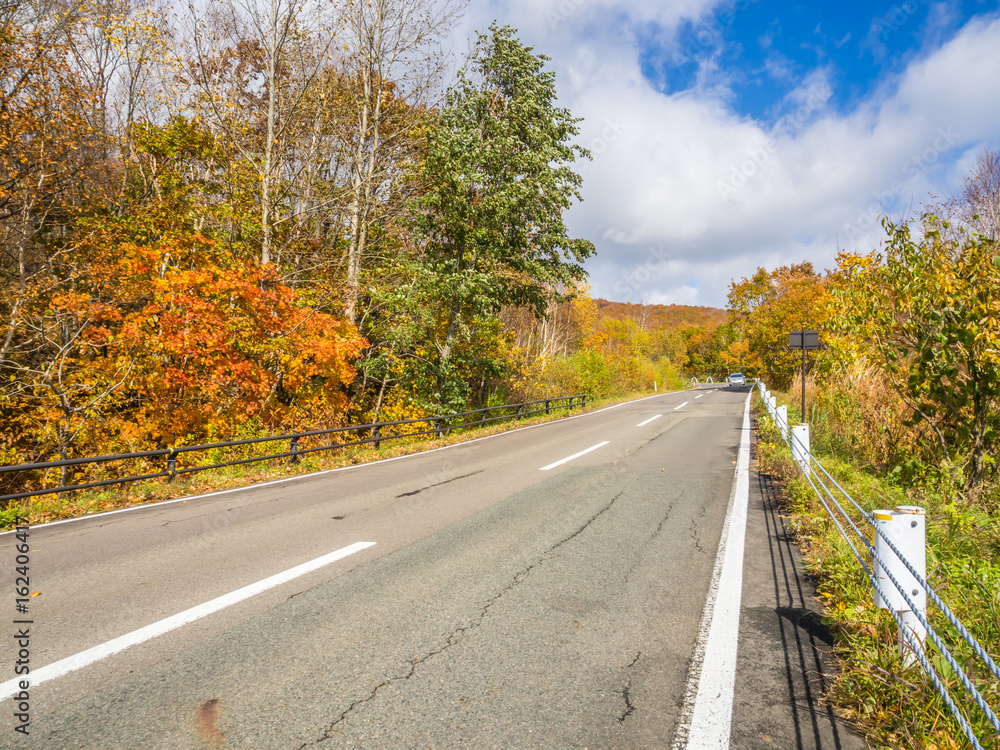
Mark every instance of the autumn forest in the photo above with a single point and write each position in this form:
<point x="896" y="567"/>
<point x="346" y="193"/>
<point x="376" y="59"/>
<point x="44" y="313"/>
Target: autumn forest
<point x="218" y="223"/>
<point x="232" y="220"/>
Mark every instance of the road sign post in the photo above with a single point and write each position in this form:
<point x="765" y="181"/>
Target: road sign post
<point x="803" y="340"/>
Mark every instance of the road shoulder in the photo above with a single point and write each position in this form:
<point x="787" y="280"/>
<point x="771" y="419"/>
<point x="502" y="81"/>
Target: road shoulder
<point x="784" y="664"/>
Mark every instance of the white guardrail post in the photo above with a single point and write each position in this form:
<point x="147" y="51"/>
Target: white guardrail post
<point x="800" y="447"/>
<point x="782" y="420"/>
<point x="906" y="526"/>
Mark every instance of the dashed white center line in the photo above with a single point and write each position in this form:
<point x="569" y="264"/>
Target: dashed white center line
<point x="699" y="396"/>
<point x="681" y="406"/>
<point x="643" y="424"/>
<point x="91" y="655"/>
<point x="575" y="455"/>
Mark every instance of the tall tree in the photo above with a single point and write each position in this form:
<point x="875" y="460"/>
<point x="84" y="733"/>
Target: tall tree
<point x="499" y="176"/>
<point x="765" y="307"/>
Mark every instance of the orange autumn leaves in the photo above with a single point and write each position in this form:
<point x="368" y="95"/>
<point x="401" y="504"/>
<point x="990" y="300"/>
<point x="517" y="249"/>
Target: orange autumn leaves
<point x="216" y="345"/>
<point x="189" y="345"/>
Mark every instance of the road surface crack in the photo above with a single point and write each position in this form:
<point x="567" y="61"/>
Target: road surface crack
<point x="695" y="537"/>
<point x="626" y="692"/>
<point x="652" y="538"/>
<point x="439" y="484"/>
<point x="456" y="635"/>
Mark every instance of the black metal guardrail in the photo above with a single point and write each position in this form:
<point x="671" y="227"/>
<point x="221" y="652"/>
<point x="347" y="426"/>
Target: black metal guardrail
<point x="439" y="426"/>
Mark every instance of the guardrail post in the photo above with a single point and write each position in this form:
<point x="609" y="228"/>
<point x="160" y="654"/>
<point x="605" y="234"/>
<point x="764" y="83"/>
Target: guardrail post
<point x="782" y="420"/>
<point x="437" y="427"/>
<point x="583" y="401"/>
<point x="171" y="465"/>
<point x="378" y="436"/>
<point x="547" y="402"/>
<point x="294" y="448"/>
<point x="800" y="446"/>
<point x="906" y="527"/>
<point x="519" y="407"/>
<point x="772" y="405"/>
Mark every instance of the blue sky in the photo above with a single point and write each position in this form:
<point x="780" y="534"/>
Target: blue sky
<point x="732" y="135"/>
<point x="760" y="49"/>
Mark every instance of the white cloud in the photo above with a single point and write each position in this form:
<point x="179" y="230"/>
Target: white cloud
<point x="797" y="189"/>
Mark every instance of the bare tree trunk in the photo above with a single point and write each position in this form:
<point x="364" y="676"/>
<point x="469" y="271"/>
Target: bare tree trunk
<point x="454" y="313"/>
<point x="268" y="167"/>
<point x="354" y="249"/>
<point x="378" y="402"/>
<point x="367" y="152"/>
<point x="388" y="33"/>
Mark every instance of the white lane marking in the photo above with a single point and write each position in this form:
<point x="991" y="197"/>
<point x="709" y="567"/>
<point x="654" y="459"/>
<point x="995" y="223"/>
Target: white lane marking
<point x="91" y="655"/>
<point x="300" y="477"/>
<point x="699" y="396"/>
<point x="643" y="424"/>
<point x="681" y="406"/>
<point x="708" y="700"/>
<point x="575" y="455"/>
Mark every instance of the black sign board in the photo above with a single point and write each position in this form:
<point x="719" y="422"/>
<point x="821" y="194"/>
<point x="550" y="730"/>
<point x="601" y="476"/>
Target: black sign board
<point x="810" y="339"/>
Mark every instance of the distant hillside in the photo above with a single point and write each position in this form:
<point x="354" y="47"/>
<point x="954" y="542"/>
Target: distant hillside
<point x="661" y="316"/>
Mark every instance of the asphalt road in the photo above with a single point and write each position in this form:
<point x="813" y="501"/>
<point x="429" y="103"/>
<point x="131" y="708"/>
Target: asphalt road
<point x="503" y="604"/>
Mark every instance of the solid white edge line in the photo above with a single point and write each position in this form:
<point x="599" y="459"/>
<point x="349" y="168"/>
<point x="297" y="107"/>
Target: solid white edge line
<point x="91" y="655"/>
<point x="575" y="455"/>
<point x="299" y="477"/>
<point x="681" y="406"/>
<point x="651" y="419"/>
<point x="708" y="701"/>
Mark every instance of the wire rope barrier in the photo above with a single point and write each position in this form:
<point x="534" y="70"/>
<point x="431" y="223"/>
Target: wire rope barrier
<point x="824" y="491"/>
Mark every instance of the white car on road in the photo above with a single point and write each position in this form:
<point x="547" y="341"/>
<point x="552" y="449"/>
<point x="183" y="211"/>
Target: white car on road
<point x="737" y="378"/>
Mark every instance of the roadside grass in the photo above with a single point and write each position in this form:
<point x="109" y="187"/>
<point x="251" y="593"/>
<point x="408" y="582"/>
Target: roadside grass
<point x="48" y="508"/>
<point x="897" y="706"/>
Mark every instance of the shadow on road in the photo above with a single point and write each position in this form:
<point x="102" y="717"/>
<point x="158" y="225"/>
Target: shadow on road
<point x="805" y="640"/>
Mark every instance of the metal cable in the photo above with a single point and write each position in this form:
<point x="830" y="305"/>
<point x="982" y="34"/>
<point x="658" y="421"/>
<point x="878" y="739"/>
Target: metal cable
<point x="945" y="610"/>
<point x="914" y="645"/>
<point x="974" y="693"/>
<point x="963" y="678"/>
